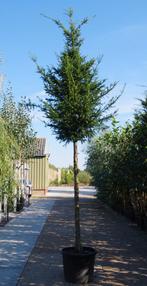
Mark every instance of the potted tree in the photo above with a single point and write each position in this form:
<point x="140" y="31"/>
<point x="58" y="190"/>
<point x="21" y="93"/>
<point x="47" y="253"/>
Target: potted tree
<point x="74" y="108"/>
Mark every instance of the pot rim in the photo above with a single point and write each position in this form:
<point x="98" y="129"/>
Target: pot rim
<point x="71" y="250"/>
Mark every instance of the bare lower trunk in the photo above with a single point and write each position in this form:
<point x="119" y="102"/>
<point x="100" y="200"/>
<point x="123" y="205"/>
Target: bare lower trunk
<point x="76" y="200"/>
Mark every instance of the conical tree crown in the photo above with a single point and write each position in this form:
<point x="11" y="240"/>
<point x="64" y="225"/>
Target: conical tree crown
<point x="73" y="105"/>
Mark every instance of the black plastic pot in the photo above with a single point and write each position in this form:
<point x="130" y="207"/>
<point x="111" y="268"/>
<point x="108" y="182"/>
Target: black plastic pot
<point x="78" y="266"/>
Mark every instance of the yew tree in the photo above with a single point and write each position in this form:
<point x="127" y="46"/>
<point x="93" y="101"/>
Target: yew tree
<point x="74" y="105"/>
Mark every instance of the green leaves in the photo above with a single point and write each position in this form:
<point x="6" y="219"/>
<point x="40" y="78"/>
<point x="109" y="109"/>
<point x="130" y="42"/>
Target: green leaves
<point x="18" y="124"/>
<point x="73" y="106"/>
<point x="17" y="140"/>
<point x="117" y="160"/>
<point x="8" y="148"/>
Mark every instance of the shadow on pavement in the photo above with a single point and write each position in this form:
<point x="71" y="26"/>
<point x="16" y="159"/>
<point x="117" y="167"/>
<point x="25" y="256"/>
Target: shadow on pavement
<point x="122" y="250"/>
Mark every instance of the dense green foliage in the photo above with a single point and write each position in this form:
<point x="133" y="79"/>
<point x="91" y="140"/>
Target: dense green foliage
<point x="18" y="124"/>
<point x="8" y="149"/>
<point x="67" y="176"/>
<point x="84" y="178"/>
<point x="74" y="103"/>
<point x="17" y="143"/>
<point x="117" y="161"/>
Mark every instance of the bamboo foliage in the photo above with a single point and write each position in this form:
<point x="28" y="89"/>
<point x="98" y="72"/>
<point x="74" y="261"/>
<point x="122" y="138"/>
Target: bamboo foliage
<point x="16" y="143"/>
<point x="117" y="160"/>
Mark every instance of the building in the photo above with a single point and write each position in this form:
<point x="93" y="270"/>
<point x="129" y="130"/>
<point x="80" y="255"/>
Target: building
<point x="39" y="168"/>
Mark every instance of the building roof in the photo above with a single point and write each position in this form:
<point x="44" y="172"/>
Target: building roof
<point x="40" y="147"/>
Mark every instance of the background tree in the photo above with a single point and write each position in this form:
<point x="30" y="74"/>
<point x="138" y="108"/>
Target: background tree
<point x="75" y="98"/>
<point x="117" y="161"/>
<point x="140" y="143"/>
<point x="18" y="124"/>
<point x="108" y="163"/>
<point x="84" y="177"/>
<point x="8" y="151"/>
<point x="67" y="176"/>
<point x="18" y="144"/>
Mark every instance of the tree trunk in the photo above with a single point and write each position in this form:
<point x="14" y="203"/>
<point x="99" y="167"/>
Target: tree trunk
<point x="76" y="200"/>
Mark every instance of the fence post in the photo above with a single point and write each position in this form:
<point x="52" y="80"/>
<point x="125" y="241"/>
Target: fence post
<point x="6" y="207"/>
<point x="15" y="201"/>
<point x="1" y="215"/>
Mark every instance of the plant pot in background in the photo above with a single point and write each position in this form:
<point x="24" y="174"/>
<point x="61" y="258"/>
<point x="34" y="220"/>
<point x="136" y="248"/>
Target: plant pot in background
<point x="78" y="266"/>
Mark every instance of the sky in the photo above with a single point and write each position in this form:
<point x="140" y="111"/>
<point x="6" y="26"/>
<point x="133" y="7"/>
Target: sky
<point x="117" y="31"/>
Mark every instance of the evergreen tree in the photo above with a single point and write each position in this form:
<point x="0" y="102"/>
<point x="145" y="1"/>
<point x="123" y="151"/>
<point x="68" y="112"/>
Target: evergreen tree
<point x="74" y="105"/>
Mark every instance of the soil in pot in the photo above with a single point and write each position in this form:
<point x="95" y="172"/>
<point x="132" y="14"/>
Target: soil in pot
<point x="78" y="266"/>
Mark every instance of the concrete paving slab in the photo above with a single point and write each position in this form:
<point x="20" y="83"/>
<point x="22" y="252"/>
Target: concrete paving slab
<point x="18" y="238"/>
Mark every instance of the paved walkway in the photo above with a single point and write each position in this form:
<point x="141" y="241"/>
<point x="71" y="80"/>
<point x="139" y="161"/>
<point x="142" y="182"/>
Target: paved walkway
<point x="67" y="192"/>
<point x="18" y="238"/>
<point x="122" y="248"/>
